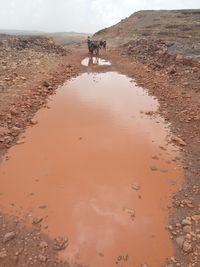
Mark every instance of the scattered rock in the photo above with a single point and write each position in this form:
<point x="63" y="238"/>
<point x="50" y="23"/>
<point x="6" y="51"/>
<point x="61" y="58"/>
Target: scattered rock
<point x="42" y="207"/>
<point x="155" y="157"/>
<point x="43" y="245"/>
<point x="37" y="220"/>
<point x="42" y="258"/>
<point x="186" y="221"/>
<point x="187" y="247"/>
<point x="153" y="168"/>
<point x="46" y="84"/>
<point x="131" y="212"/>
<point x="178" y="140"/>
<point x="180" y="240"/>
<point x="135" y="186"/>
<point x="187" y="229"/>
<point x="33" y="121"/>
<point x="3" y="254"/>
<point x="9" y="236"/>
<point x="60" y="243"/>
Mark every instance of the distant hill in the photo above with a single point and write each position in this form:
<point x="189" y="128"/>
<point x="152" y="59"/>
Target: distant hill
<point x="68" y="38"/>
<point x="20" y="32"/>
<point x="171" y="25"/>
<point x="62" y="38"/>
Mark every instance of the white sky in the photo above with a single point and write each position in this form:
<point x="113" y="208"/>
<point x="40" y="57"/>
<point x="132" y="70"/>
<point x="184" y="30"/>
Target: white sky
<point x="77" y="15"/>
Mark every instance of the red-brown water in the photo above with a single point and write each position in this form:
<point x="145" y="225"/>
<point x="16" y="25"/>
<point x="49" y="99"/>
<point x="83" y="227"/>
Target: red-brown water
<point x="89" y="161"/>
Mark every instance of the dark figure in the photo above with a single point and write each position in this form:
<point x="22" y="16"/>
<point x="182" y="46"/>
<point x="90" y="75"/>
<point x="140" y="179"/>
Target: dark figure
<point x="89" y="42"/>
<point x="94" y="48"/>
<point x="104" y="45"/>
<point x="101" y="44"/>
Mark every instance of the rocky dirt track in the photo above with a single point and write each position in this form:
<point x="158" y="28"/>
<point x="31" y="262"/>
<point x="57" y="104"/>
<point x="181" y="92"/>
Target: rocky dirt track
<point x="31" y="69"/>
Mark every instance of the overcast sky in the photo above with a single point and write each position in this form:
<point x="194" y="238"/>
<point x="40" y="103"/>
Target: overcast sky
<point x="77" y="15"/>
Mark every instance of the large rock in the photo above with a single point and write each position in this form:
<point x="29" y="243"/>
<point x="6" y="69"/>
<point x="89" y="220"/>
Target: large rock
<point x="9" y="236"/>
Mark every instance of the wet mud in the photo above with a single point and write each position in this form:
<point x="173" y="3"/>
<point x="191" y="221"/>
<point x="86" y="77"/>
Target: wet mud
<point x="97" y="168"/>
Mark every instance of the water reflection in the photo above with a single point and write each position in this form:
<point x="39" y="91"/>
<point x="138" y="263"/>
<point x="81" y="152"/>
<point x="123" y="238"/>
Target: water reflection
<point x="95" y="61"/>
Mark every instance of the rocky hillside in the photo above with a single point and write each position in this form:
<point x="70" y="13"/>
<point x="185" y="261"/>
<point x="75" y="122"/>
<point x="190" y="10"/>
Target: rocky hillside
<point x="175" y="25"/>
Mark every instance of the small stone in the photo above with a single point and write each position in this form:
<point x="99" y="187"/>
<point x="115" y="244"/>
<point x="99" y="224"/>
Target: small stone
<point x="153" y="168"/>
<point x="171" y="70"/>
<point x="14" y="112"/>
<point x="42" y="207"/>
<point x="131" y="212"/>
<point x="42" y="258"/>
<point x="9" y="236"/>
<point x="60" y="243"/>
<point x="155" y="157"/>
<point x="43" y="245"/>
<point x="135" y="186"/>
<point x="187" y="247"/>
<point x="180" y="240"/>
<point x="33" y="121"/>
<point x="187" y="229"/>
<point x="196" y="217"/>
<point x="37" y="220"/>
<point x="3" y="254"/>
<point x="46" y="84"/>
<point x="178" y="140"/>
<point x="186" y="221"/>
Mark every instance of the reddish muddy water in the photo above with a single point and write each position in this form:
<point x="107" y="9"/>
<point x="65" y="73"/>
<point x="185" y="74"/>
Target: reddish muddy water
<point x="101" y="170"/>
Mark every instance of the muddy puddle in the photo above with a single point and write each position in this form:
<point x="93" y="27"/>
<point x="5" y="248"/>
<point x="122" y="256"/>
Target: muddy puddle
<point x="95" y="61"/>
<point x="99" y="170"/>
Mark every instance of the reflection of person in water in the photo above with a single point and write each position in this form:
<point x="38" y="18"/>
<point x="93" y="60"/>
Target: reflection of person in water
<point x="90" y="62"/>
<point x="93" y="61"/>
<point x="96" y="60"/>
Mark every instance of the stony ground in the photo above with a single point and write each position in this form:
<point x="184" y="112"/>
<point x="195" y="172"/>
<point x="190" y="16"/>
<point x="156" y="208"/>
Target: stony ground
<point x="31" y="68"/>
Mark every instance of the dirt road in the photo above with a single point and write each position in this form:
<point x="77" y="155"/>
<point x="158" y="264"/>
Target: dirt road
<point x="138" y="159"/>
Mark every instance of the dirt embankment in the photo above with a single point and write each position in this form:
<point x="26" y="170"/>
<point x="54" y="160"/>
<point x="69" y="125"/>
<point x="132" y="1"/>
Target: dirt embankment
<point x="161" y="51"/>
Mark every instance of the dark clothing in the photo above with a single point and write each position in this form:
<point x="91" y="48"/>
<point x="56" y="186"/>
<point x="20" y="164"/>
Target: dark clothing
<point x="89" y="44"/>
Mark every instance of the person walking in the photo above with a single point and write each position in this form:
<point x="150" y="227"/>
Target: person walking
<point x="89" y="42"/>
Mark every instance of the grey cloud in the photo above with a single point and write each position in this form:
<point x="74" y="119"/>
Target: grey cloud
<point x="76" y="15"/>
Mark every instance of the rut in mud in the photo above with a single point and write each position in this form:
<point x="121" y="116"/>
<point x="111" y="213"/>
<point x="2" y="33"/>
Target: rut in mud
<point x="98" y="169"/>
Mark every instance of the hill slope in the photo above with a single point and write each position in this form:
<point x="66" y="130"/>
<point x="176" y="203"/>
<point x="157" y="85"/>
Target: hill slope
<point x="174" y="25"/>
